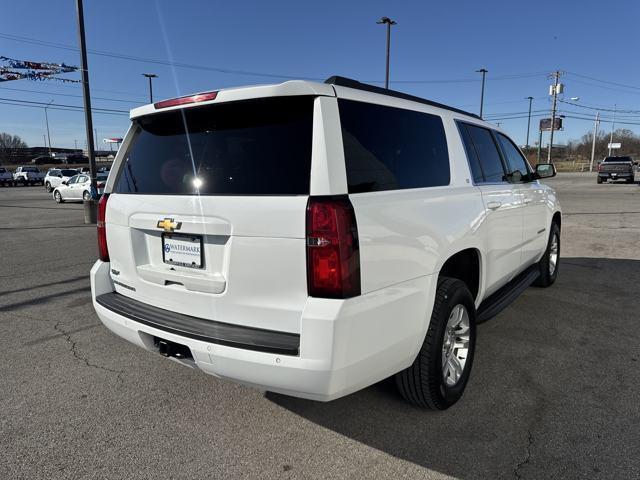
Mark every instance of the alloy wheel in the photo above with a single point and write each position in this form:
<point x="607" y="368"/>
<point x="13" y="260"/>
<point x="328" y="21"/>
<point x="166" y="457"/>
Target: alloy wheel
<point x="455" y="345"/>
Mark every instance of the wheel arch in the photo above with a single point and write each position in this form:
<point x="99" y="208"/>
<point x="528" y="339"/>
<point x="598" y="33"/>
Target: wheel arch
<point x="466" y="266"/>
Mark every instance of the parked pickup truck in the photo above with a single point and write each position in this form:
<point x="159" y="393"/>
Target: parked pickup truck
<point x="617" y="168"/>
<point x="6" y="177"/>
<point x="28" y="175"/>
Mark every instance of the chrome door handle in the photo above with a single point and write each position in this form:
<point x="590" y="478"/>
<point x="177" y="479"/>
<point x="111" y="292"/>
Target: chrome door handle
<point x="494" y="205"/>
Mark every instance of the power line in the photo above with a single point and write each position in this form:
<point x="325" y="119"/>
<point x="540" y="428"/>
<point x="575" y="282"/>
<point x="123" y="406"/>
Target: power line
<point x="63" y="106"/>
<point x="57" y="108"/>
<point x="605" y="87"/>
<point x="604" y="81"/>
<point x="19" y="38"/>
<point x="595" y="107"/>
<point x="69" y="95"/>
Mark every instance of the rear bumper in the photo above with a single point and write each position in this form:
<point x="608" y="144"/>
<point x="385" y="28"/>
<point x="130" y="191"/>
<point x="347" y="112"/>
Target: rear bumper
<point x="344" y="345"/>
<point x="615" y="175"/>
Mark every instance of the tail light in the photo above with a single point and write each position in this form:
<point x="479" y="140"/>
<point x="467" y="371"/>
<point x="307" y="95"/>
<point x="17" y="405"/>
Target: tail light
<point x="333" y="252"/>
<point x="103" y="251"/>
<point x="599" y="167"/>
<point x="100" y="185"/>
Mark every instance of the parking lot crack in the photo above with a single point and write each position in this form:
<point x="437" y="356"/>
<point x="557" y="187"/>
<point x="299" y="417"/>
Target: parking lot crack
<point x="80" y="358"/>
<point x="527" y="458"/>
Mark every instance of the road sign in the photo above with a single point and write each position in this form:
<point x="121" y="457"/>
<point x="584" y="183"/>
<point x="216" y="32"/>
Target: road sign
<point x="545" y="124"/>
<point x="614" y="145"/>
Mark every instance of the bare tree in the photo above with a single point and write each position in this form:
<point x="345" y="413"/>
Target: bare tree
<point x="10" y="146"/>
<point x="8" y="141"/>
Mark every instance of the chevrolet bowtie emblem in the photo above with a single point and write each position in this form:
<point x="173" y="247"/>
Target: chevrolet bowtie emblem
<point x="169" y="225"/>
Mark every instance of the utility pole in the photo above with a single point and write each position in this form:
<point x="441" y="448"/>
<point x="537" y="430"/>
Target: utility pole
<point x="593" y="144"/>
<point x="76" y="142"/>
<point x="91" y="213"/>
<point x="483" y="71"/>
<point x="150" y="76"/>
<point x="95" y="131"/>
<point x="539" y="145"/>
<point x="388" y="22"/>
<point x="613" y="126"/>
<point x="46" y="119"/>
<point x="529" y="121"/>
<point x="556" y="77"/>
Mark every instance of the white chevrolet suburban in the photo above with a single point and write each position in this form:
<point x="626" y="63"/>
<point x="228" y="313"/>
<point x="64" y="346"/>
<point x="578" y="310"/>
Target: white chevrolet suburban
<point x="312" y="239"/>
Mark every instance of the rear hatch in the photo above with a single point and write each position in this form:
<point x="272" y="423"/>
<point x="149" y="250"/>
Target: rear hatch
<point x="206" y="215"/>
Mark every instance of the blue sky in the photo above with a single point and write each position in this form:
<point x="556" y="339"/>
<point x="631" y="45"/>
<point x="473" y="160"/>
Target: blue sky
<point x="436" y="48"/>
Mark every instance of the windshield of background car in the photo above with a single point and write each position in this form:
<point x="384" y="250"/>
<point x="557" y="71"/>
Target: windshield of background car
<point x="69" y="173"/>
<point x="252" y="147"/>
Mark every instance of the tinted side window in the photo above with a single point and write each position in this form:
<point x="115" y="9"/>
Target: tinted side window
<point x="515" y="160"/>
<point x="474" y="163"/>
<point x="389" y="148"/>
<point x="487" y="152"/>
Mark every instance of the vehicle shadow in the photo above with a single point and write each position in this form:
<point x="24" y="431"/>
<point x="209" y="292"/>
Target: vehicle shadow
<point x="550" y="384"/>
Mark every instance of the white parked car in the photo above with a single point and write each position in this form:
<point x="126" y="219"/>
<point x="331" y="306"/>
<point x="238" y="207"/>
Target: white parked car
<point x="313" y="239"/>
<point x="78" y="188"/>
<point x="55" y="177"/>
<point x="28" y="175"/>
<point x="6" y="177"/>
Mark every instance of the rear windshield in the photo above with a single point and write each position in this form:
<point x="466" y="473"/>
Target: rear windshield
<point x="253" y="147"/>
<point x="618" y="159"/>
<point x="69" y="173"/>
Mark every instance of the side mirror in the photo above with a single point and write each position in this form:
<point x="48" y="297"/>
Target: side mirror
<point x="545" y="170"/>
<point x="64" y="182"/>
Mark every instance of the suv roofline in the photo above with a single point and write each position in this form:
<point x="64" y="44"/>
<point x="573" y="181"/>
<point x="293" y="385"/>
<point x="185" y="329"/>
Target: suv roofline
<point x="297" y="87"/>
<point x="288" y="88"/>
<point x="350" y="83"/>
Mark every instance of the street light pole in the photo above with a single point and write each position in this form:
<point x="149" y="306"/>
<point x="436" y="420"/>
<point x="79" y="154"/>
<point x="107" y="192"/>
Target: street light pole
<point x="388" y="22"/>
<point x="483" y="71"/>
<point x="613" y="126"/>
<point x="150" y="76"/>
<point x="593" y="144"/>
<point x="529" y="121"/>
<point x="46" y="119"/>
<point x="84" y="70"/>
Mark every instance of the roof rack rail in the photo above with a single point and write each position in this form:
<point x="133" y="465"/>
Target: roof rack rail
<point x="348" y="82"/>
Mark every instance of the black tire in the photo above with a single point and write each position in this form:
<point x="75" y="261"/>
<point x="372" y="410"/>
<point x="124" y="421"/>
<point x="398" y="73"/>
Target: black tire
<point x="48" y="187"/>
<point x="86" y="196"/>
<point x="599" y="179"/>
<point x="548" y="277"/>
<point x="58" y="197"/>
<point x="423" y="383"/>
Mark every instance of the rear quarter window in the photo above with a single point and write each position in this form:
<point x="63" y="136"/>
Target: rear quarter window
<point x="252" y="147"/>
<point x="388" y="148"/>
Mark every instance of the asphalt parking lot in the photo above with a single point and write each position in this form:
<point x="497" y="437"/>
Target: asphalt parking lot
<point x="554" y="391"/>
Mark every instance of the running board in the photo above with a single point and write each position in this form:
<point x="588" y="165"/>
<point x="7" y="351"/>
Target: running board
<point x="501" y="299"/>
